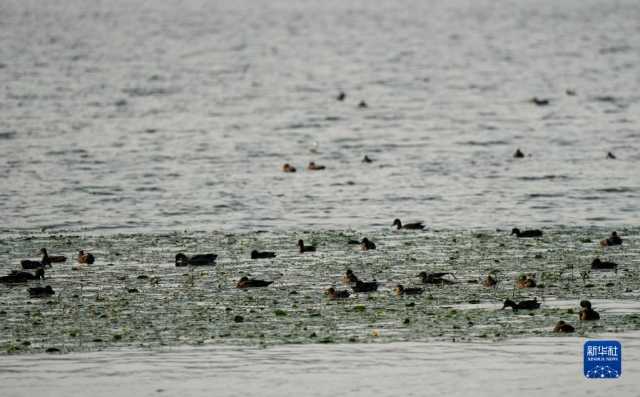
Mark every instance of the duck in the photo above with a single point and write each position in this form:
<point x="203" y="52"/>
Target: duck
<point x="17" y="277"/>
<point x="563" y="327"/>
<point x="401" y="290"/>
<point x="362" y="105"/>
<point x="196" y="260"/>
<point x="587" y="313"/>
<point x="341" y="96"/>
<point x="288" y="168"/>
<point x="45" y="262"/>
<point x="368" y="286"/>
<point x="315" y="167"/>
<point x="246" y="282"/>
<point x="255" y="254"/>
<point x="86" y="258"/>
<point x="597" y="264"/>
<point x="436" y="278"/>
<point x="366" y="159"/>
<point x="523" y="305"/>
<point x="337" y="294"/>
<point x="611" y="156"/>
<point x="526" y="233"/>
<point x="614" y="239"/>
<point x="410" y="226"/>
<point x="525" y="281"/>
<point x="518" y="154"/>
<point x="349" y="277"/>
<point x="367" y="245"/>
<point x="490" y="281"/>
<point x="305" y="248"/>
<point x="539" y="101"/>
<point x="41" y="292"/>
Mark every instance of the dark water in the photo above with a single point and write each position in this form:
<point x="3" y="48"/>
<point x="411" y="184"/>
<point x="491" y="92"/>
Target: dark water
<point x="130" y="115"/>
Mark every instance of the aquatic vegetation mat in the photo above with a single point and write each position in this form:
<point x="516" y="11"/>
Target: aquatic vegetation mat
<point x="134" y="296"/>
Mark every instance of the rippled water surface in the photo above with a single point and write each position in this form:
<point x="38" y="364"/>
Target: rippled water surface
<point x="146" y="116"/>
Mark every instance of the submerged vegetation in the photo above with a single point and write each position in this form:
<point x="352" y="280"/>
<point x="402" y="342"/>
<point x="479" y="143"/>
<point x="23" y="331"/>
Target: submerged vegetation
<point x="134" y="295"/>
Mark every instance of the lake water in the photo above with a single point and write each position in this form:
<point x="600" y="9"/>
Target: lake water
<point x="137" y="130"/>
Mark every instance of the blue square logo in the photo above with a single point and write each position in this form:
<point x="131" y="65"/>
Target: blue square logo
<point x="602" y="359"/>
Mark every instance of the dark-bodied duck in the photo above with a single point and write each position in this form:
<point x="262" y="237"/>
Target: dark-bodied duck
<point x="436" y="278"/>
<point x="255" y="254"/>
<point x="368" y="286"/>
<point x="611" y="156"/>
<point x="597" y="264"/>
<point x="17" y="277"/>
<point x="518" y="154"/>
<point x="334" y="294"/>
<point x="41" y="292"/>
<point x="246" y="282"/>
<point x="196" y="260"/>
<point x="341" y="96"/>
<point x="490" y="281"/>
<point x="86" y="258"/>
<point x="539" y="101"/>
<point x="614" y="239"/>
<point x="349" y="277"/>
<point x="410" y="226"/>
<point x="366" y="159"/>
<point x="363" y="105"/>
<point x="367" y="245"/>
<point x="305" y="248"/>
<point x="45" y="261"/>
<point x="523" y="305"/>
<point x="288" y="168"/>
<point x="526" y="233"/>
<point x="525" y="281"/>
<point x="563" y="327"/>
<point x="587" y="313"/>
<point x="315" y="167"/>
<point x="401" y="290"/>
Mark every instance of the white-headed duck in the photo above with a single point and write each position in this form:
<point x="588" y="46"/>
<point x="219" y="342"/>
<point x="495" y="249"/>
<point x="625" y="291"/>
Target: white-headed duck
<point x="86" y="258"/>
<point x="526" y="233"/>
<point x="587" y="313"/>
<point x="246" y="282"/>
<point x="288" y="168"/>
<point x="196" y="260"/>
<point x="305" y="248"/>
<point x="410" y="226"/>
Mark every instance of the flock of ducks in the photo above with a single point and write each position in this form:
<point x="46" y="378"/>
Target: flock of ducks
<point x="349" y="278"/>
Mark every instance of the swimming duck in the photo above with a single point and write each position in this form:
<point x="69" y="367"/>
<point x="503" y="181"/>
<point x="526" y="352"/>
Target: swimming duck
<point x="315" y="167"/>
<point x="523" y="305"/>
<point x="435" y="278"/>
<point x="412" y="226"/>
<point x="367" y="245"/>
<point x="401" y="290"/>
<point x="246" y="282"/>
<point x="611" y="156"/>
<point x="363" y="105"/>
<point x="41" y="292"/>
<point x="288" y="168"/>
<point x="362" y="286"/>
<point x="196" y="260"/>
<point x="563" y="327"/>
<point x="597" y="264"/>
<point x="255" y="254"/>
<point x="526" y="233"/>
<point x="341" y="96"/>
<point x="366" y="159"/>
<point x="16" y="277"/>
<point x="305" y="248"/>
<point x="490" y="281"/>
<point x="539" y="101"/>
<point x="349" y="277"/>
<point x="86" y="258"/>
<point x="614" y="239"/>
<point x="525" y="281"/>
<point x="587" y="313"/>
<point x="518" y="154"/>
<point x="337" y="294"/>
